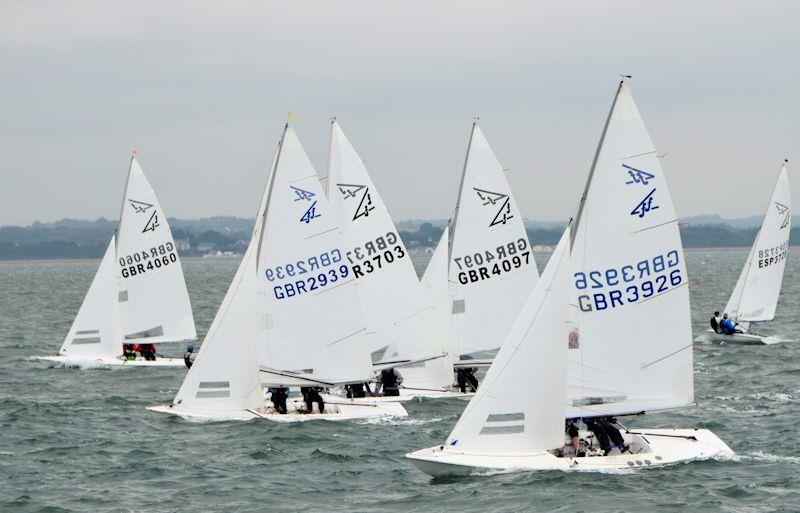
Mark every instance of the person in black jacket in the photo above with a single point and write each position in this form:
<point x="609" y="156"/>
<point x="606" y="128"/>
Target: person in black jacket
<point x="390" y="380"/>
<point x="189" y="356"/>
<point x="311" y="396"/>
<point x="715" y="322"/>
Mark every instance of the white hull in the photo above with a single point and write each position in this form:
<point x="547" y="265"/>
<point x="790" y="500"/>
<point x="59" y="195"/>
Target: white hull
<point x="410" y="395"/>
<point x="740" y="338"/>
<point x="73" y="361"/>
<point x="649" y="450"/>
<point x="336" y="408"/>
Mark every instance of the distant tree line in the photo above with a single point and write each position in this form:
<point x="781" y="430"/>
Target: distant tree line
<point x="75" y="239"/>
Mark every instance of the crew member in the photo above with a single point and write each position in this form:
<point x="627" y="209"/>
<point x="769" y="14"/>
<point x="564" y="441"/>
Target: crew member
<point x="390" y="380"/>
<point x="128" y="352"/>
<point x="571" y="449"/>
<point x="715" y="322"/>
<point x="189" y="356"/>
<point x="466" y="376"/>
<point x="727" y="326"/>
<point x="278" y="397"/>
<point x="311" y="396"/>
<point x="355" y="391"/>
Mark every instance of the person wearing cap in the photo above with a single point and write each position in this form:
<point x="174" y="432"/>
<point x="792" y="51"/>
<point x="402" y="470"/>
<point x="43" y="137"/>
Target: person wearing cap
<point x="189" y="356"/>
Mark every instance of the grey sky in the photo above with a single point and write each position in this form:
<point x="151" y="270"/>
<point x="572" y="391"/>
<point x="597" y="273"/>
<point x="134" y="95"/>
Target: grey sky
<point x="203" y="88"/>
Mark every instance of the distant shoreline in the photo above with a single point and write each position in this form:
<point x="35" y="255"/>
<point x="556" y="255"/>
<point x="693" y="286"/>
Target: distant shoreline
<point x="239" y="257"/>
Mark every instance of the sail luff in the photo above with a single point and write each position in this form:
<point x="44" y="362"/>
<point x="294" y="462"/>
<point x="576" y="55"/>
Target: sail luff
<point x="582" y="201"/>
<point x="454" y="222"/>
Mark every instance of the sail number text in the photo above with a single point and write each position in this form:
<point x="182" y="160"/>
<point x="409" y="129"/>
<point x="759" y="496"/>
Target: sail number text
<point x="373" y="255"/>
<point x="772" y="256"/>
<point x="483" y="265"/>
<point x="311" y="274"/>
<point x="619" y="286"/>
<point x="140" y="262"/>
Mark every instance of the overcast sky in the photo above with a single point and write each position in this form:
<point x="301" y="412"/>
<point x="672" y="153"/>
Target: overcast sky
<point x="203" y="89"/>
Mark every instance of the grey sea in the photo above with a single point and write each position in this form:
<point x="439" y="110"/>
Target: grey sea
<point x="81" y="440"/>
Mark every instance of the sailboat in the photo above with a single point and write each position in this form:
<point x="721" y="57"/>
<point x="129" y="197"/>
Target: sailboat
<point x="400" y="319"/>
<point x="491" y="266"/>
<point x="290" y="317"/>
<point x="755" y="296"/>
<point x="585" y="333"/>
<point x="138" y="295"/>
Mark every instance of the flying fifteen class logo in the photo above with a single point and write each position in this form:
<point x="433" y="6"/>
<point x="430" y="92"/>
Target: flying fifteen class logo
<point x="785" y="211"/>
<point x="140" y="206"/>
<point x="638" y="175"/>
<point x="357" y="191"/>
<point x="645" y="206"/>
<point x="303" y="195"/>
<point x="152" y="223"/>
<point x="496" y="198"/>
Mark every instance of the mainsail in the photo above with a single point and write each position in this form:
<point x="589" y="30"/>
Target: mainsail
<point x="312" y="328"/>
<point x="491" y="266"/>
<point x="755" y="296"/>
<point x="519" y="408"/>
<point x="400" y="320"/>
<point x="631" y="345"/>
<point x="153" y="301"/>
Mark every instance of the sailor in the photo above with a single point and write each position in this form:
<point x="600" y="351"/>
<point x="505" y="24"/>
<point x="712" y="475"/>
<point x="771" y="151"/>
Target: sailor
<point x="311" y="396"/>
<point x="617" y="441"/>
<point x="390" y="380"/>
<point x="570" y="450"/>
<point x="355" y="391"/>
<point x="608" y="436"/>
<point x="148" y="351"/>
<point x="278" y="397"/>
<point x="466" y="376"/>
<point x="189" y="356"/>
<point x="128" y="352"/>
<point x="727" y="326"/>
<point x="599" y="432"/>
<point x="715" y="322"/>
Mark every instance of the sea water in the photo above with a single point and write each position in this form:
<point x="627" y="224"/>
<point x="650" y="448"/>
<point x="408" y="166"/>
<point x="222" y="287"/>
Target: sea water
<point x="81" y="440"/>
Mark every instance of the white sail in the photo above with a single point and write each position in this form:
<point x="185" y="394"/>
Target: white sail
<point x="224" y="379"/>
<point x="95" y="332"/>
<point x="436" y="373"/>
<point x="519" y="408"/>
<point x="492" y="269"/>
<point x="755" y="296"/>
<point x="400" y="320"/>
<point x="312" y="327"/>
<point x="631" y="350"/>
<point x="154" y="304"/>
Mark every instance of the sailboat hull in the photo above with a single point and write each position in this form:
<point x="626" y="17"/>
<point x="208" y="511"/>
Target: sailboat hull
<point x="72" y="361"/>
<point x="664" y="447"/>
<point x="740" y="338"/>
<point x="406" y="396"/>
<point x="336" y="409"/>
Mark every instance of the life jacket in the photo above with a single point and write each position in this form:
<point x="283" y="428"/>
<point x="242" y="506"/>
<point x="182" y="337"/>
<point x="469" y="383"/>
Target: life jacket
<point x="388" y="378"/>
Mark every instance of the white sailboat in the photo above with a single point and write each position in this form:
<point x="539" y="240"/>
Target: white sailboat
<point x="290" y="317"/>
<point x="491" y="266"/>
<point x="586" y="333"/>
<point x="138" y="295"/>
<point x="402" y="328"/>
<point x="755" y="296"/>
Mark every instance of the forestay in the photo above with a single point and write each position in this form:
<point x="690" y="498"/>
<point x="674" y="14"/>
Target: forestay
<point x="491" y="266"/>
<point x="755" y="297"/>
<point x="631" y="349"/>
<point x="519" y="406"/>
<point x="312" y="325"/>
<point x="399" y="318"/>
<point x="95" y="332"/>
<point x="153" y="301"/>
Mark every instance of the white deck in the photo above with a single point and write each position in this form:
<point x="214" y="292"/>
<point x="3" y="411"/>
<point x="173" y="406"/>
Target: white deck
<point x="85" y="362"/>
<point x="651" y="448"/>
<point x="740" y="338"/>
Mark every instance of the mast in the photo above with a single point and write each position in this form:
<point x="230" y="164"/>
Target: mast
<point x="579" y="214"/>
<point x="454" y="221"/>
<point x="268" y="193"/>
<point x="117" y="231"/>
